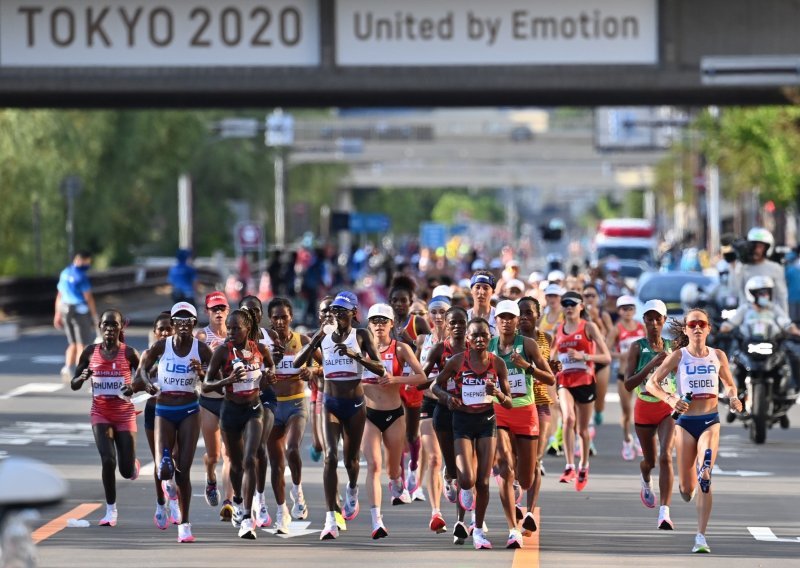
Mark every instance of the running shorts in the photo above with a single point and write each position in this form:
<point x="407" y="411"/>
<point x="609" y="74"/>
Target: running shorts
<point x="474" y="426"/>
<point x="650" y="413"/>
<point x="520" y="421"/>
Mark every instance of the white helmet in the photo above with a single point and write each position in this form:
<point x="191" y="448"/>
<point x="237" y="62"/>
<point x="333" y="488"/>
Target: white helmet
<point x="761" y="235"/>
<point x="690" y="294"/>
<point x="757" y="283"/>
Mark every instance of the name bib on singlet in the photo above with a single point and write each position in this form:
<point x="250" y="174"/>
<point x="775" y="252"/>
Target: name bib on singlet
<point x="107" y="386"/>
<point x="475" y="394"/>
<point x="285" y="367"/>
<point x="518" y="384"/>
<point x="250" y="381"/>
<point x="570" y="364"/>
<point x="371" y="378"/>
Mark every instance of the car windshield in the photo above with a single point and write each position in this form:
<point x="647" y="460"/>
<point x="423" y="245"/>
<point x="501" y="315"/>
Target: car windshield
<point x="668" y="288"/>
<point x="626" y="253"/>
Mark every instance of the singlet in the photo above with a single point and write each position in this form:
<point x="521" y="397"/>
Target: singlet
<point x="470" y="386"/>
<point x="492" y="319"/>
<point x="520" y="381"/>
<point x="626" y="338"/>
<point x="546" y="326"/>
<point x="411" y="327"/>
<point x="540" y="394"/>
<point x="174" y="375"/>
<point x="390" y="362"/>
<point x="213" y="341"/>
<point x="340" y="367"/>
<point x="698" y="375"/>
<point x="574" y="373"/>
<point x="108" y="377"/>
<point x="424" y="354"/>
<point x="253" y="364"/>
<point x="284" y="369"/>
<point x="647" y="354"/>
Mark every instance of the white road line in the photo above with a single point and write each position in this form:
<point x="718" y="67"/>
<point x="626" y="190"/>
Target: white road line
<point x="32" y="388"/>
<point x="740" y="472"/>
<point x="147" y="469"/>
<point x="765" y="534"/>
<point x="48" y="359"/>
<point x="4" y="358"/>
<point x="296" y="528"/>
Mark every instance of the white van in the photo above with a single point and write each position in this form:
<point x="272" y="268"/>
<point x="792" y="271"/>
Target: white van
<point x="626" y="240"/>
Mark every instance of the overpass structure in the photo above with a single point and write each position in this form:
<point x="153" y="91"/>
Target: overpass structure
<point x="118" y="53"/>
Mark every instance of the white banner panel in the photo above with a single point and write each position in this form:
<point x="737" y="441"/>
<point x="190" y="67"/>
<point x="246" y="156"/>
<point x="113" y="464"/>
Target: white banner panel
<point x="496" y="32"/>
<point x="158" y="33"/>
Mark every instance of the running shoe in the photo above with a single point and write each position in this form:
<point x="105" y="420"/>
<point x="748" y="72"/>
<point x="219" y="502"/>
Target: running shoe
<point x="480" y="542"/>
<point x="170" y="490"/>
<point x="518" y="513"/>
<point x="340" y="522"/>
<point x="399" y="493"/>
<point x="263" y="518"/>
<point x="299" y="509"/>
<point x="418" y="494"/>
<point x="282" y="520"/>
<point x="542" y="471"/>
<point x="553" y="448"/>
<point x="647" y="495"/>
<point x="110" y="520"/>
<point x="212" y="494"/>
<point x="583" y="479"/>
<point x="350" y="503"/>
<point x="330" y="531"/>
<point x="166" y="468"/>
<point x="466" y="499"/>
<point x="316" y="454"/>
<point x="185" y="533"/>
<point x="136" y="467"/>
<point x="226" y="512"/>
<point x="628" y="450"/>
<point x="379" y="530"/>
<point x="703" y="481"/>
<point x="458" y="540"/>
<point x="460" y="531"/>
<point x="471" y="527"/>
<point x="514" y="539"/>
<point x="568" y="476"/>
<point x="529" y="522"/>
<point x="517" y="492"/>
<point x="598" y="418"/>
<point x="174" y="512"/>
<point x="664" y="522"/>
<point x="437" y="523"/>
<point x="160" y="518"/>
<point x="450" y="489"/>
<point x="700" y="544"/>
<point x="411" y="479"/>
<point x="247" y="530"/>
<point x="238" y="515"/>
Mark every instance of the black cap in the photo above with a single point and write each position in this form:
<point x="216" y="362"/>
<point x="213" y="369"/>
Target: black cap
<point x="574" y="296"/>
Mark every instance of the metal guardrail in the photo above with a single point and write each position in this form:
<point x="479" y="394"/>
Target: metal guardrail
<point x="36" y="295"/>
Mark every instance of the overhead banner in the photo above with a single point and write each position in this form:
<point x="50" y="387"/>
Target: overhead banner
<point x="159" y="33"/>
<point x="500" y="32"/>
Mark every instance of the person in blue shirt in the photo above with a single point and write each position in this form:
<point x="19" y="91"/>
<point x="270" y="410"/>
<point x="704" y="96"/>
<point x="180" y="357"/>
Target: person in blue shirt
<point x="792" y="271"/>
<point x="182" y="277"/>
<point x="75" y="310"/>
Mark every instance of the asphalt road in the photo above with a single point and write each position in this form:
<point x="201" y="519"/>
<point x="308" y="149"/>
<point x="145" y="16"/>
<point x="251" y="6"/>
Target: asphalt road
<point x="606" y="525"/>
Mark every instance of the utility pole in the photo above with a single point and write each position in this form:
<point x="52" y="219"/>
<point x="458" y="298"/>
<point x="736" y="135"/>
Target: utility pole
<point x="280" y="136"/>
<point x="712" y="195"/>
<point x="71" y="186"/>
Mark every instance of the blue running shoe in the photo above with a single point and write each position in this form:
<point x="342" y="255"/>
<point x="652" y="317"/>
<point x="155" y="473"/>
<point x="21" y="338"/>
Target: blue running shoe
<point x="316" y="454"/>
<point x="703" y="481"/>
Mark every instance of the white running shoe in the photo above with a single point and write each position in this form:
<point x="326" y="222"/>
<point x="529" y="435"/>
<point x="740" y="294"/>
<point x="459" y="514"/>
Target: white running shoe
<point x="330" y="531"/>
<point x="466" y="499"/>
<point x="174" y="511"/>
<point x="110" y="520"/>
<point x="411" y="479"/>
<point x="628" y="451"/>
<point x="418" y="494"/>
<point x="247" y="530"/>
<point x="700" y="544"/>
<point x="161" y="518"/>
<point x="238" y="515"/>
<point x="514" y="539"/>
<point x="479" y="541"/>
<point x="282" y="520"/>
<point x="450" y="489"/>
<point x="350" y="509"/>
<point x="664" y="522"/>
<point x="262" y="515"/>
<point x="185" y="533"/>
<point x="379" y="530"/>
<point x="299" y="508"/>
<point x="400" y="495"/>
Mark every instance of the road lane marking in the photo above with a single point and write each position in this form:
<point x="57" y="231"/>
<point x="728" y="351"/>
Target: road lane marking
<point x="740" y="472"/>
<point x="296" y="528"/>
<point x="765" y="534"/>
<point x="32" y="388"/>
<point x="528" y="556"/>
<point x="58" y="524"/>
<point x="48" y="359"/>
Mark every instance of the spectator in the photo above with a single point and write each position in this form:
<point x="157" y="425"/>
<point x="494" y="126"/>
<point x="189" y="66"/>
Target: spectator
<point x="793" y="283"/>
<point x="183" y="278"/>
<point x="75" y="310"/>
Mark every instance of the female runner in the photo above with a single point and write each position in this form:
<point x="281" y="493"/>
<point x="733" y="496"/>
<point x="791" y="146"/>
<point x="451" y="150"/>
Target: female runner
<point x="699" y="369"/>
<point x="596" y="313"/>
<point x="110" y="366"/>
<point x="343" y="411"/>
<point x="650" y="415"/>
<point x="385" y="417"/>
<point x="181" y="362"/>
<point x="242" y="366"/>
<point x="518" y="427"/>
<point x="469" y="380"/>
<point x="578" y="346"/>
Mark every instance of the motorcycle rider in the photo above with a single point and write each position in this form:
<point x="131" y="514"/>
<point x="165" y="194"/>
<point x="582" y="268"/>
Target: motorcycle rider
<point x="761" y="244"/>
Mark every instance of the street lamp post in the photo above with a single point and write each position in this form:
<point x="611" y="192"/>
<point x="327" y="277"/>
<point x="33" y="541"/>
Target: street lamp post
<point x="279" y="135"/>
<point x="71" y="186"/>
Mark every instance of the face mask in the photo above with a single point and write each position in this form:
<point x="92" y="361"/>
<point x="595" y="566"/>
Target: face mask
<point x="763" y="301"/>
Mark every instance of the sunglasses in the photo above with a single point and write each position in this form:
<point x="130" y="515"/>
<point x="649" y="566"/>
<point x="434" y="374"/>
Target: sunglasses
<point x="380" y="321"/>
<point x="569" y="304"/>
<point x="337" y="310"/>
<point x="183" y="321"/>
<point x="697" y="323"/>
<point x="217" y="309"/>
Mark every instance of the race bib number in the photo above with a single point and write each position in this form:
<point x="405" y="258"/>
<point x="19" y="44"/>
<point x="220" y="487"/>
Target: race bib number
<point x="518" y="384"/>
<point x="248" y="383"/>
<point x="570" y="364"/>
<point x="474" y="394"/>
<point x="286" y="366"/>
<point x="106" y="386"/>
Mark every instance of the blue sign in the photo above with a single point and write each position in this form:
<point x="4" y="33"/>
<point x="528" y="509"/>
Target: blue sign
<point x="369" y="223"/>
<point x="432" y="235"/>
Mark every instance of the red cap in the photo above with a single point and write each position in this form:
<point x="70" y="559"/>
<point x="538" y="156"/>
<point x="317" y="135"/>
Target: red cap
<point x="216" y="299"/>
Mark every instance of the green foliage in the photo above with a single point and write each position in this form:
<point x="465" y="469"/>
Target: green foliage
<point x="454" y="206"/>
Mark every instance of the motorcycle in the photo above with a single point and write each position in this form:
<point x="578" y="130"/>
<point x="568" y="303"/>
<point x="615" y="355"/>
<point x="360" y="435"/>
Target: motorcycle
<point x="763" y="371"/>
<point x="25" y="485"/>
